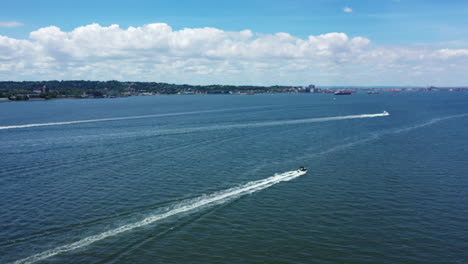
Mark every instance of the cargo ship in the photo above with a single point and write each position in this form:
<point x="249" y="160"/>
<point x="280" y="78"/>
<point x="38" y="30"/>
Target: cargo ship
<point x="343" y="93"/>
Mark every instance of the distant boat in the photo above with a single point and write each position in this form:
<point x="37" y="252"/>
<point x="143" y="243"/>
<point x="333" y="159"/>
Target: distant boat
<point x="372" y="92"/>
<point x="343" y="93"/>
<point x="302" y="169"/>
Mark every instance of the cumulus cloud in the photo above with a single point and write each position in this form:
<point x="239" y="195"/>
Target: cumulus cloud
<point x="450" y="53"/>
<point x="347" y="9"/>
<point x="10" y="24"/>
<point x="156" y="52"/>
<point x="161" y="40"/>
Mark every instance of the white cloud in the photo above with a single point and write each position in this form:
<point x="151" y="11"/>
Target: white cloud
<point x="451" y="53"/>
<point x="10" y="24"/>
<point x="157" y="40"/>
<point x="347" y="9"/>
<point x="156" y="52"/>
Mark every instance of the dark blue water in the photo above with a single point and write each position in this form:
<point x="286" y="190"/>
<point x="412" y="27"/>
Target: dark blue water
<point x="211" y="179"/>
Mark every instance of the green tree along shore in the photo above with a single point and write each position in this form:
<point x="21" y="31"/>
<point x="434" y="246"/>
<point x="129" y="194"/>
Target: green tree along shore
<point x="95" y="89"/>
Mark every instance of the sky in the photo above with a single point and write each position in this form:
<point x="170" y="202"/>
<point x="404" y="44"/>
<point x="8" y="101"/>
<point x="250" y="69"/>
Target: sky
<point x="255" y="42"/>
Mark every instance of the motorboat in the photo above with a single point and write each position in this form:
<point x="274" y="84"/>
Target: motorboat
<point x="302" y="169"/>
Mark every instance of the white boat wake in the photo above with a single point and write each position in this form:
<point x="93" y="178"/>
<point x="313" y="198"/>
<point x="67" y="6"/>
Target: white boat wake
<point x="120" y="118"/>
<point x="250" y="125"/>
<point x="160" y="132"/>
<point x="195" y="112"/>
<point x="183" y="207"/>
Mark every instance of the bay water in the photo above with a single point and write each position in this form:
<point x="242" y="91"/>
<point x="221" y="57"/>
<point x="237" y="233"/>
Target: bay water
<point x="213" y="179"/>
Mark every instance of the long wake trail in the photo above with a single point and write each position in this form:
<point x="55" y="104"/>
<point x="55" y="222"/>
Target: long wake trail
<point x="191" y="129"/>
<point x="248" y="125"/>
<point x="190" y="113"/>
<point x="119" y="118"/>
<point x="263" y="124"/>
<point x="183" y="207"/>
<point x="312" y="120"/>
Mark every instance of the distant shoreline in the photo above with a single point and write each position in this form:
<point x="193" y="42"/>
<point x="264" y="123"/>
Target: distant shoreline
<point x="48" y="90"/>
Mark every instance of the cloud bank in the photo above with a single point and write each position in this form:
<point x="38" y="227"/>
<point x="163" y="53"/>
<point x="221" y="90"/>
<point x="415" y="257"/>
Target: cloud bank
<point x="156" y="52"/>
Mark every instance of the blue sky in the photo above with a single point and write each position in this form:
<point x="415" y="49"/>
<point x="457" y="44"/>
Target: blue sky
<point x="408" y="25"/>
<point x="385" y="21"/>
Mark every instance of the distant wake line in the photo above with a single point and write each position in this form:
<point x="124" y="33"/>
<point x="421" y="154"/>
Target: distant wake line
<point x="185" y="113"/>
<point x="266" y="123"/>
<point x="243" y="125"/>
<point x="318" y="119"/>
<point x="159" y="132"/>
<point x="183" y="207"/>
<point x="118" y="118"/>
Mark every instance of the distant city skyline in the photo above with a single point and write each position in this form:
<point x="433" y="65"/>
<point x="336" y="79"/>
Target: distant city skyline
<point x="325" y="42"/>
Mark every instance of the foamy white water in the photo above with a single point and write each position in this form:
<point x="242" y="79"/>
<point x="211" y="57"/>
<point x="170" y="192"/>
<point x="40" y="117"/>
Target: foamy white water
<point x="118" y="118"/>
<point x="243" y="125"/>
<point x="184" y="207"/>
<point x="182" y="130"/>
<point x="318" y="119"/>
<point x="261" y="124"/>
